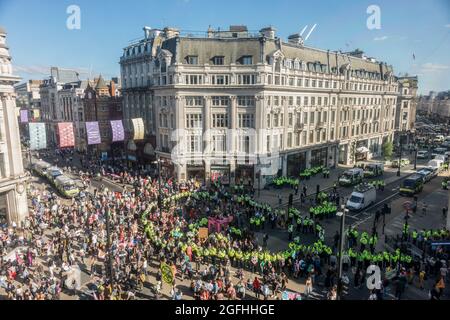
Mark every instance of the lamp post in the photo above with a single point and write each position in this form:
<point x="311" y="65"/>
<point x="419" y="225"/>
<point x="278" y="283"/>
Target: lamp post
<point x="341" y="214"/>
<point x="158" y="163"/>
<point x="400" y="156"/>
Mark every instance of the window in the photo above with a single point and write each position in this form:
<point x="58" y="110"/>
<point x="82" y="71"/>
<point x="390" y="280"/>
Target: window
<point x="220" y="120"/>
<point x="246" y="120"/>
<point x="289" y="140"/>
<point x="246" y="79"/>
<point x="220" y="79"/>
<point x="220" y="101"/>
<point x="291" y="101"/>
<point x="219" y="143"/>
<point x="290" y="119"/>
<point x="247" y="101"/>
<point x="194" y="101"/>
<point x="247" y="60"/>
<point x="311" y="118"/>
<point x="218" y="61"/>
<point x="192" y="59"/>
<point x="194" y="79"/>
<point x="193" y="121"/>
<point x="275" y="120"/>
<point x="268" y="120"/>
<point x="268" y="143"/>
<point x="195" y="143"/>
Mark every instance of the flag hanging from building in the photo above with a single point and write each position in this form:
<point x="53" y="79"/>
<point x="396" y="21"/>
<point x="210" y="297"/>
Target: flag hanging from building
<point x="38" y="136"/>
<point x="118" y="134"/>
<point x="66" y="135"/>
<point x="24" y="116"/>
<point x="93" y="133"/>
<point x="138" y="125"/>
<point x="36" y="114"/>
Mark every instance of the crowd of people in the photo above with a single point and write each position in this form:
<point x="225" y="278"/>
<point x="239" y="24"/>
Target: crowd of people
<point x="124" y="240"/>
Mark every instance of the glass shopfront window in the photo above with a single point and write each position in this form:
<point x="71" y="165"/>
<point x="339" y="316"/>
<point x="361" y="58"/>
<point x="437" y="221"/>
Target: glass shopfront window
<point x="296" y="163"/>
<point x="319" y="157"/>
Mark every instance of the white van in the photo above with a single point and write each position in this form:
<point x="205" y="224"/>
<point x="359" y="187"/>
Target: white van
<point x="435" y="164"/>
<point x="351" y="177"/>
<point x="362" y="197"/>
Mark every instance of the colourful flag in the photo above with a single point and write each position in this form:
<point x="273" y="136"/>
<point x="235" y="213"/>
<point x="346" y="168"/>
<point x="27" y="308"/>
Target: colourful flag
<point x="117" y="130"/>
<point x="138" y="125"/>
<point x="66" y="135"/>
<point x="23" y="116"/>
<point x="36" y="114"/>
<point x="38" y="136"/>
<point x="93" y="133"/>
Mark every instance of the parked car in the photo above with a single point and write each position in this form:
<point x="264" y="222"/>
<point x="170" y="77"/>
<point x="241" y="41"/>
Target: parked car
<point x="422" y="154"/>
<point x="435" y="164"/>
<point x="412" y="185"/>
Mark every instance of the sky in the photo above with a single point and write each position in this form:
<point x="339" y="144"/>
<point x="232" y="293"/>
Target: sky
<point x="414" y="35"/>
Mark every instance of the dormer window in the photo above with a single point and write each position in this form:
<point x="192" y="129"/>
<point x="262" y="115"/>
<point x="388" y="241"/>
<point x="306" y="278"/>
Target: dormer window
<point x="218" y="61"/>
<point x="247" y="60"/>
<point x="192" y="59"/>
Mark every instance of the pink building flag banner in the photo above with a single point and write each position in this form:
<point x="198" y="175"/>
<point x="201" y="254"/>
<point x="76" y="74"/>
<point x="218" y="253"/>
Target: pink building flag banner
<point x="38" y="136"/>
<point x="23" y="116"/>
<point x="66" y="135"/>
<point x="118" y="133"/>
<point x="93" y="133"/>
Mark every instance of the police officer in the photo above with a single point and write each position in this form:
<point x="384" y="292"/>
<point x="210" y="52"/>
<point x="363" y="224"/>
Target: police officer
<point x="291" y="231"/>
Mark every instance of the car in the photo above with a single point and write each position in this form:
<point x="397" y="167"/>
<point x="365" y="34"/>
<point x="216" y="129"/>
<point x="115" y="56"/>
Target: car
<point x="403" y="162"/>
<point x="426" y="174"/>
<point x="422" y="154"/>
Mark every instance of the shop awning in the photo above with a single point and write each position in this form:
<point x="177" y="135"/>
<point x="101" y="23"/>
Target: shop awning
<point x="149" y="150"/>
<point x="132" y="146"/>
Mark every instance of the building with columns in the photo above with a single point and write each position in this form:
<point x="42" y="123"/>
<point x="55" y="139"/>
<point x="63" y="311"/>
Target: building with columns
<point x="13" y="197"/>
<point x="246" y="107"/>
<point x="407" y="100"/>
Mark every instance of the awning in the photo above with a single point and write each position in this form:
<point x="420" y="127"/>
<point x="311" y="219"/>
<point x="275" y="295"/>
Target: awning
<point x="132" y="146"/>
<point x="149" y="150"/>
<point x="362" y="150"/>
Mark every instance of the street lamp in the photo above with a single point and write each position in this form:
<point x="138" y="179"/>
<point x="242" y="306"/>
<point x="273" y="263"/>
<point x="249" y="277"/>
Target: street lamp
<point x="158" y="162"/>
<point x="341" y="214"/>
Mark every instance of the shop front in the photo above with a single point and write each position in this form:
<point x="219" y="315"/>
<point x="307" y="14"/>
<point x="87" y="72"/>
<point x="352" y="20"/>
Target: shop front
<point x="296" y="163"/>
<point x="362" y="150"/>
<point x="196" y="172"/>
<point x="319" y="157"/>
<point x="220" y="174"/>
<point x="245" y="174"/>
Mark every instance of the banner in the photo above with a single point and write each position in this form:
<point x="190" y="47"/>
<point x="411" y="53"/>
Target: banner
<point x="93" y="133"/>
<point x="66" y="135"/>
<point x="36" y="114"/>
<point x="24" y="116"/>
<point x="117" y="131"/>
<point x="138" y="125"/>
<point x="38" y="136"/>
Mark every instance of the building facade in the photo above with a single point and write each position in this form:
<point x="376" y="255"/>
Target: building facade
<point x="28" y="97"/>
<point x="247" y="107"/>
<point x="407" y="101"/>
<point x="102" y="103"/>
<point x="13" y="198"/>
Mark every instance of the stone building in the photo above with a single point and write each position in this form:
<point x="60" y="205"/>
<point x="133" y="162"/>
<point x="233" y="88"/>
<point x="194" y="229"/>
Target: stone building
<point x="13" y="198"/>
<point x="406" y="106"/>
<point x="101" y="103"/>
<point x="252" y="106"/>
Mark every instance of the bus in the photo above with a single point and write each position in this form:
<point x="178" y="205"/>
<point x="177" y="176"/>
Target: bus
<point x="412" y="185"/>
<point x="66" y="186"/>
<point x="52" y="173"/>
<point x="41" y="168"/>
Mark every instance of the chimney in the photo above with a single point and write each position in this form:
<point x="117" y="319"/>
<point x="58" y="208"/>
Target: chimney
<point x="296" y="39"/>
<point x="112" y="89"/>
<point x="268" y="32"/>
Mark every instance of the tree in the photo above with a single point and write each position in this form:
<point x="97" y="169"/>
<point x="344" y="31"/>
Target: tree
<point x="388" y="148"/>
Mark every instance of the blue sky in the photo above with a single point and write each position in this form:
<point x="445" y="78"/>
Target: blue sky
<point x="38" y="37"/>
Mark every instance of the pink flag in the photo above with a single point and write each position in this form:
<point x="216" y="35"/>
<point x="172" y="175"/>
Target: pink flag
<point x="66" y="135"/>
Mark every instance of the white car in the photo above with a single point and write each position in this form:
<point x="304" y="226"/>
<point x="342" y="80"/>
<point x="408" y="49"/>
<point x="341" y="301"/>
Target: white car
<point x="422" y="154"/>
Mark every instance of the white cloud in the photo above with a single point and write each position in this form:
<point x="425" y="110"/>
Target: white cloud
<point x="433" y="67"/>
<point x="381" y="38"/>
